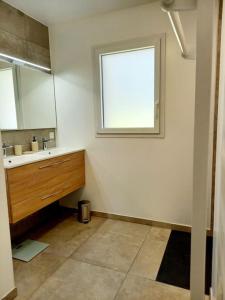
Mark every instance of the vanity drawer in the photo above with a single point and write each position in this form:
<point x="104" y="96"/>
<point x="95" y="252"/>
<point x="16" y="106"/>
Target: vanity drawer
<point x="60" y="173"/>
<point x="34" y="186"/>
<point x="26" y="208"/>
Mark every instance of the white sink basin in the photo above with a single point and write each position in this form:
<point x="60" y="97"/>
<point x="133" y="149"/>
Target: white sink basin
<point x="12" y="161"/>
<point x="16" y="161"/>
<point x="53" y="151"/>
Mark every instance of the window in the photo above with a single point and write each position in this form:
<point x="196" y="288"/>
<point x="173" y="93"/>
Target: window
<point x="129" y="83"/>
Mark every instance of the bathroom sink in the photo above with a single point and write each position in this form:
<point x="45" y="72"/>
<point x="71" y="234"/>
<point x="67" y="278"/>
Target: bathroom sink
<point x="16" y="161"/>
<point x="13" y="161"/>
<point x="53" y="151"/>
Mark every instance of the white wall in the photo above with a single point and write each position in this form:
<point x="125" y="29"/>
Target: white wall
<point x="218" y="282"/>
<point x="6" y="269"/>
<point x="147" y="178"/>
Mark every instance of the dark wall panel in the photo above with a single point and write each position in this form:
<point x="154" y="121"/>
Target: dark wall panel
<point x="23" y="37"/>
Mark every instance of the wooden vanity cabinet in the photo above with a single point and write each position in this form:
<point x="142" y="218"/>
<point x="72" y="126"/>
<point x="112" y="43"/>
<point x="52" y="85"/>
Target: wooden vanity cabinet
<point x="36" y="185"/>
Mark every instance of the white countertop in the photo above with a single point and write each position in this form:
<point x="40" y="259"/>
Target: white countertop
<point x="16" y="161"/>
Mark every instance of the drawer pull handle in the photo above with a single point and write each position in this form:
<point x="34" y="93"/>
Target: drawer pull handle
<point x="50" y="195"/>
<point x="61" y="162"/>
<point x="54" y="164"/>
<point x="46" y="166"/>
<point x="66" y="187"/>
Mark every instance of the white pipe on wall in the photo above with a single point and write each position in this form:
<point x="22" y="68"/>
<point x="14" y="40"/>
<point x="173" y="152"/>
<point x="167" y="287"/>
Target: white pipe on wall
<point x="178" y="30"/>
<point x="172" y="8"/>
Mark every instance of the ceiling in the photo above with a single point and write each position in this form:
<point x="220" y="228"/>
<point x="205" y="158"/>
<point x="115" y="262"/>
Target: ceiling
<point x="57" y="11"/>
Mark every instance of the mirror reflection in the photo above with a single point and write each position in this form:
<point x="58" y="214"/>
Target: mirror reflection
<point x="27" y="98"/>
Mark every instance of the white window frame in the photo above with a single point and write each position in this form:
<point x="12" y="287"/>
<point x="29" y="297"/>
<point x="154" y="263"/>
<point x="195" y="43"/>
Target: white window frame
<point x="156" y="41"/>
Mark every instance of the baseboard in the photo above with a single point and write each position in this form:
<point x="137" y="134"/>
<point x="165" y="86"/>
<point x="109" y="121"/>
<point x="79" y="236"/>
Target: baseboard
<point x="178" y="227"/>
<point x="211" y="297"/>
<point x="12" y="295"/>
<point x="143" y="221"/>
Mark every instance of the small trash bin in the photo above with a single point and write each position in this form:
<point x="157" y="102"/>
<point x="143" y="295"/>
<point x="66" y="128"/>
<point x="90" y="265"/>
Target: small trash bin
<point x="84" y="211"/>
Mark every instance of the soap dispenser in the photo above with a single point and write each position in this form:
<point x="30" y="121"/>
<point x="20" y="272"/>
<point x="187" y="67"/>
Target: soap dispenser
<point x="34" y="144"/>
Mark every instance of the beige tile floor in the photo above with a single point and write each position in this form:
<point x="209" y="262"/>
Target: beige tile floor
<point x="102" y="260"/>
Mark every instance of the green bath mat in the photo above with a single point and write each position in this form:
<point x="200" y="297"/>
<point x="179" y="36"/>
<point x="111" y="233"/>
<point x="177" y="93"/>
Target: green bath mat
<point x="28" y="249"/>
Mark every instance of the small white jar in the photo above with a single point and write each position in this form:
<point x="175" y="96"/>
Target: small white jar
<point x="18" y="150"/>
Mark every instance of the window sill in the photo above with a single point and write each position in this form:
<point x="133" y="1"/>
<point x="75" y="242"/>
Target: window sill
<point x="131" y="135"/>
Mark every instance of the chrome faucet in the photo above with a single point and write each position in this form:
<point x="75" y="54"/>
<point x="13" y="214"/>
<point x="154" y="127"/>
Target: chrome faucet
<point x="45" y="143"/>
<point x="4" y="148"/>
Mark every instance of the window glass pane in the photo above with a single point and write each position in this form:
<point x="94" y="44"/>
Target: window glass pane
<point x="128" y="89"/>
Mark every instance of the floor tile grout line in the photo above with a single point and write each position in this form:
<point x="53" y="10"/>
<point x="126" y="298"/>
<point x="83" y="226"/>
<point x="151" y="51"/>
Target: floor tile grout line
<point x="70" y="257"/>
<point x="97" y="265"/>
<point x="86" y="240"/>
<point x="31" y="295"/>
<point x="161" y="241"/>
<point x="119" y="289"/>
<point x="66" y="258"/>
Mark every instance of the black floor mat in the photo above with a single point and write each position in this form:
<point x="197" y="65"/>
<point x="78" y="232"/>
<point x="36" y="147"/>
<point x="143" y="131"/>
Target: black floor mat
<point x="175" y="266"/>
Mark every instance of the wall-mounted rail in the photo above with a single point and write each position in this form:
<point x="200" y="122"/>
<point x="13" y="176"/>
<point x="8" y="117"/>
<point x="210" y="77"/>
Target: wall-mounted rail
<point x="172" y="8"/>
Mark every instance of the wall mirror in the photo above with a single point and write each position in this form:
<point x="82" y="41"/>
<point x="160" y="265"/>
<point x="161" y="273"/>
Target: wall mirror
<point x="27" y="98"/>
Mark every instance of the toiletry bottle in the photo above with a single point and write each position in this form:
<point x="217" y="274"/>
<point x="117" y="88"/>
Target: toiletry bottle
<point x="34" y="144"/>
